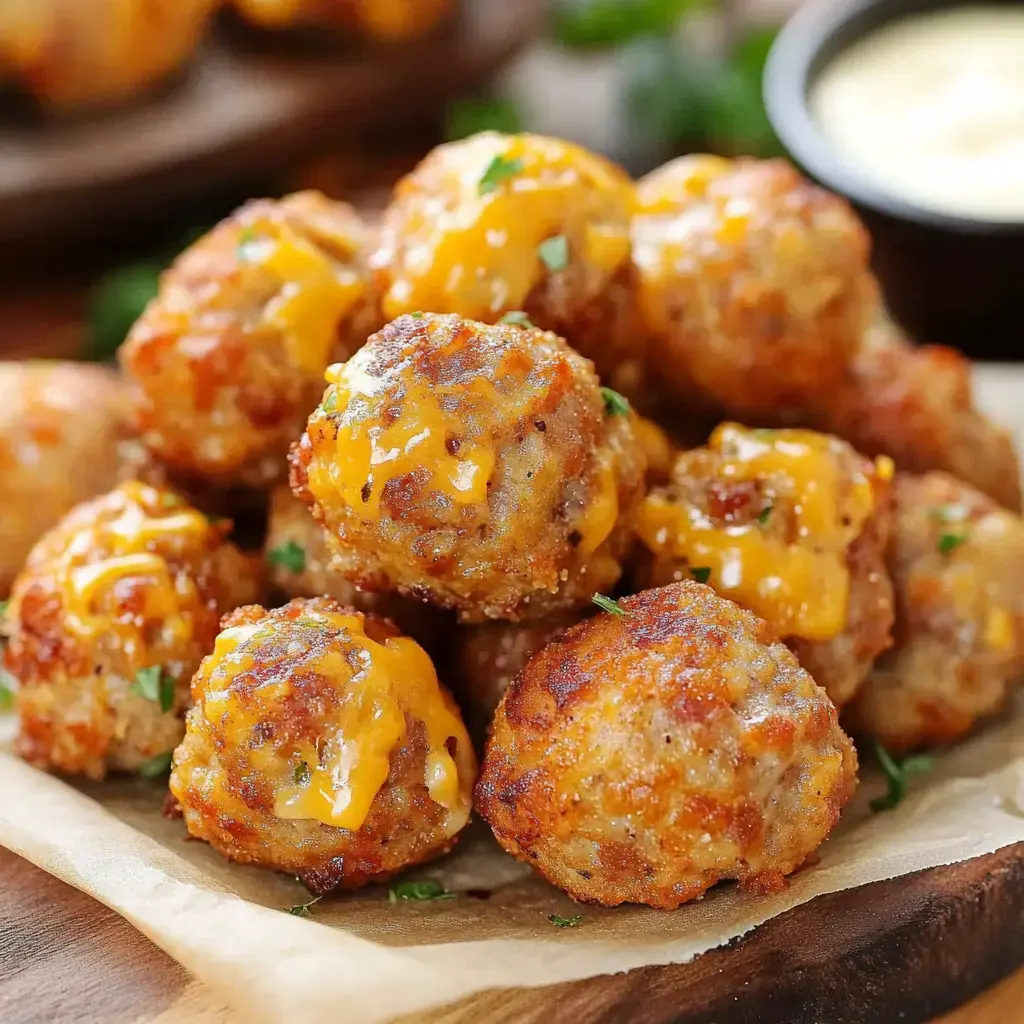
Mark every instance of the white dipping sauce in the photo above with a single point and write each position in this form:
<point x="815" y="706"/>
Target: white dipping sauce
<point x="931" y="108"/>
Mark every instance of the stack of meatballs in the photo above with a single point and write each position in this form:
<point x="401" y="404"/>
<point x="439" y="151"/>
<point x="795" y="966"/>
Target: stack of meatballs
<point x="640" y="469"/>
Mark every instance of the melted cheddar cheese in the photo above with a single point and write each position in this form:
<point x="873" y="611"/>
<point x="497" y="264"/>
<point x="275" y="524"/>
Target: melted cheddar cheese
<point x="799" y="583"/>
<point x="461" y="250"/>
<point x="367" y="454"/>
<point x="379" y="685"/>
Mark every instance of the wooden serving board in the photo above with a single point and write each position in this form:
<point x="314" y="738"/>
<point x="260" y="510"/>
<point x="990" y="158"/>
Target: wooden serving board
<point x="901" y="950"/>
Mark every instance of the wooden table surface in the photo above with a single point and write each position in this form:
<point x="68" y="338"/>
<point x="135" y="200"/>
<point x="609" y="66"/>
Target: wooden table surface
<point x="64" y="957"/>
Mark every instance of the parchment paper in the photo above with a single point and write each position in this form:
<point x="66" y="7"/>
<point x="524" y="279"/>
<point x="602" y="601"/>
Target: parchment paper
<point x="359" y="958"/>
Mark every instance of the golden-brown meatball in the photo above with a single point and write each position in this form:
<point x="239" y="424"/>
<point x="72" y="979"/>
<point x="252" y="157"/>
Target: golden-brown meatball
<point x="792" y="525"/>
<point x="753" y="285"/>
<point x="229" y="358"/>
<point x="957" y="560"/>
<point x="916" y="405"/>
<point x="298" y="556"/>
<point x="77" y="53"/>
<point x="472" y="466"/>
<point x="488" y="656"/>
<point x="113" y="612"/>
<point x="381" y="19"/>
<point x="59" y="429"/>
<point x="499" y="222"/>
<point x="322" y="744"/>
<point x="645" y="756"/>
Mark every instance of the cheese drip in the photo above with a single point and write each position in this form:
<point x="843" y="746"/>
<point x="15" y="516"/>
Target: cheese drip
<point x="335" y="779"/>
<point x="799" y="584"/>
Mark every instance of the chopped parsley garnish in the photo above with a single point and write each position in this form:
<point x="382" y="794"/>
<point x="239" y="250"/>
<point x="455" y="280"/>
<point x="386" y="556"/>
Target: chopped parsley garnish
<point x="301" y="774"/>
<point x="565" y="922"/>
<point x="762" y="516"/>
<point x="330" y="403"/>
<point x="614" y="403"/>
<point x="954" y="513"/>
<point x="426" y="889"/>
<point x="6" y="694"/>
<point x="417" y="315"/>
<point x="302" y="909"/>
<point x="289" y="555"/>
<point x="949" y="541"/>
<point x="244" y="249"/>
<point x="156" y="766"/>
<point x="156" y="685"/>
<point x="606" y="604"/>
<point x="516" y="317"/>
<point x="897" y="773"/>
<point x="3" y="608"/>
<point x="554" y="252"/>
<point x="701" y="573"/>
<point x="498" y="170"/>
<point x="169" y="500"/>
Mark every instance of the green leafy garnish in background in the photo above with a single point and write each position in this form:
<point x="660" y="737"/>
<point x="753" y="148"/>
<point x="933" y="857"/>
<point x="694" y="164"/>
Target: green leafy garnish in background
<point x="606" y="604"/>
<point x="302" y="909"/>
<point x="497" y="171"/>
<point x="554" y="253"/>
<point x="517" y="318"/>
<point x="156" y="685"/>
<point x="897" y="773"/>
<point x="427" y="889"/>
<point x="598" y="24"/>
<point x="701" y="573"/>
<point x="116" y="302"/>
<point x="6" y="693"/>
<point x="156" y="766"/>
<point x="614" y="403"/>
<point x="469" y="115"/>
<point x="565" y="922"/>
<point x="289" y="555"/>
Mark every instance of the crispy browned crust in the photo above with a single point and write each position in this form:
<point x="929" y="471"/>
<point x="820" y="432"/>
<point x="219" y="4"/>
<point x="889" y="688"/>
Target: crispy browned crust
<point x="959" y="632"/>
<point x="77" y="709"/>
<point x="220" y="390"/>
<point x="537" y="406"/>
<point x="644" y="757"/>
<point x="225" y="783"/>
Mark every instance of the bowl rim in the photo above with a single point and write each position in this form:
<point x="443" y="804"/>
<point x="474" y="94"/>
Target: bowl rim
<point x="792" y="64"/>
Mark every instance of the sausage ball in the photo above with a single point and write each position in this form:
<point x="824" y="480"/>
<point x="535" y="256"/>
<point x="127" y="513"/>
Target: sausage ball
<point x="81" y="53"/>
<point x="792" y="525"/>
<point x="298" y="558"/>
<point x="110" y="617"/>
<point x="644" y="756"/>
<point x="59" y="429"/>
<point x="321" y="744"/>
<point x="389" y="20"/>
<point x="487" y="657"/>
<point x="753" y="284"/>
<point x="957" y="560"/>
<point x="505" y="222"/>
<point x="915" y="404"/>
<point x="475" y="467"/>
<point x="229" y="358"/>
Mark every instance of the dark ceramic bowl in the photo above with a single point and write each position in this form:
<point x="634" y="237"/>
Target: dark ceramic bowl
<point x="954" y="280"/>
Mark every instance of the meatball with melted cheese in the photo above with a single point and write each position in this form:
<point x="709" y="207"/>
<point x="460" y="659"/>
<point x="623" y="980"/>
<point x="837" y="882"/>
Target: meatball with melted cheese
<point x="957" y="560"/>
<point x="60" y="424"/>
<point x="229" y="358"/>
<point x="298" y="556"/>
<point x="915" y="404"/>
<point x="322" y="744"/>
<point x="475" y="467"/>
<point x="113" y="612"/>
<point x="792" y="525"/>
<point x="645" y="756"/>
<point x="488" y="656"/>
<point x="753" y="287"/>
<point x="498" y="222"/>
<point x="381" y="19"/>
<point x="84" y="53"/>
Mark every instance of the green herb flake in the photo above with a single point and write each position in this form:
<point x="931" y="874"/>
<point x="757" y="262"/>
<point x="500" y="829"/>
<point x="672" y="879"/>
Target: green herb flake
<point x="701" y="573"/>
<point x="554" y="253"/>
<point x="949" y="541"/>
<point x="156" y="685"/>
<point x="6" y="693"/>
<point x="156" y="766"/>
<point x="565" y="922"/>
<point x="470" y="115"/>
<point x="3" y="607"/>
<point x="426" y="889"/>
<point x="517" y="318"/>
<point x="497" y="171"/>
<point x="417" y="315"/>
<point x="614" y="403"/>
<point x="288" y="555"/>
<point x="302" y="909"/>
<point x="301" y="774"/>
<point x="170" y="500"/>
<point x="765" y="513"/>
<point x="330" y="403"/>
<point x="606" y="604"/>
<point x="897" y="773"/>
<point x="246" y="248"/>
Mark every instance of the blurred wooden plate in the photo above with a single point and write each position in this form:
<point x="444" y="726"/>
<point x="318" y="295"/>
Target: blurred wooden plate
<point x="233" y="111"/>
